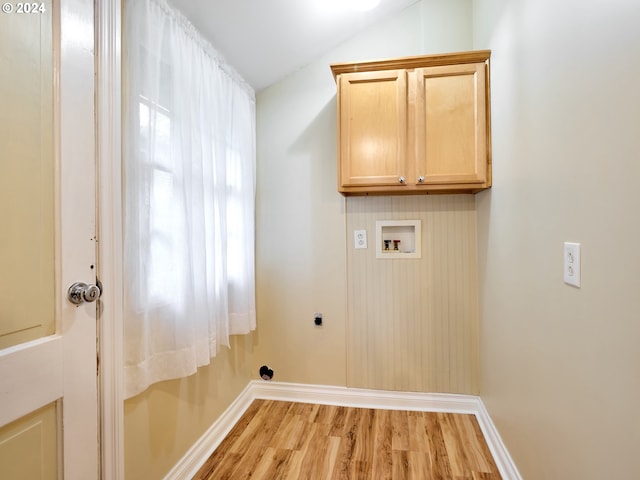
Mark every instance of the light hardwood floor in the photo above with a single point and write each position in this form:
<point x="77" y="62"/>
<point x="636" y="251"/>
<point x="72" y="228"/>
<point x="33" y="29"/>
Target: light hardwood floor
<point x="285" y="440"/>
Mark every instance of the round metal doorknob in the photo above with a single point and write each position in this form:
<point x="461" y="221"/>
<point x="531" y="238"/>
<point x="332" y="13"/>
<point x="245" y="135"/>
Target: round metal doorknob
<point x="80" y="292"/>
<point x="421" y="179"/>
<point x="402" y="180"/>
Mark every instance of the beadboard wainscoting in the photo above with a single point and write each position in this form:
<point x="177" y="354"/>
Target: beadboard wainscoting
<point x="191" y="462"/>
<point x="412" y="323"/>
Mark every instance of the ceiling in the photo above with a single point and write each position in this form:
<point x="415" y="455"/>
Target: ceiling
<point x="265" y="40"/>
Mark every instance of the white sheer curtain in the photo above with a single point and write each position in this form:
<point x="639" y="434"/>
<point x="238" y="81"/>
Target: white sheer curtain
<point x="189" y="198"/>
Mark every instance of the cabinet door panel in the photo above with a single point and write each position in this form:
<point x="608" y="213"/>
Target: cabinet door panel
<point x="451" y="125"/>
<point x="373" y="128"/>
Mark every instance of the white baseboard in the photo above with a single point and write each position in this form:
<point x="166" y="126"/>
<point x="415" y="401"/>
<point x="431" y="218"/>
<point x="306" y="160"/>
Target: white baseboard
<point x="187" y="467"/>
<point x="357" y="397"/>
<point x="501" y="456"/>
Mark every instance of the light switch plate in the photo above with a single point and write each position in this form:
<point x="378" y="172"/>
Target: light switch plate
<point x="360" y="238"/>
<point x="572" y="264"/>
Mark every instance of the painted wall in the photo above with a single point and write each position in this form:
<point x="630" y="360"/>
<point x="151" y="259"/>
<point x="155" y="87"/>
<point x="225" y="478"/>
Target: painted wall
<point x="559" y="365"/>
<point x="301" y="232"/>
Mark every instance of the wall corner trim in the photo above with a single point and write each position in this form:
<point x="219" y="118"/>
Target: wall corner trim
<point x="188" y="466"/>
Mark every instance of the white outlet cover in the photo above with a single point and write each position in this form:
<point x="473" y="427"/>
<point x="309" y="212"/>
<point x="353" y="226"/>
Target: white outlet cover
<point x="571" y="264"/>
<point x="360" y="238"/>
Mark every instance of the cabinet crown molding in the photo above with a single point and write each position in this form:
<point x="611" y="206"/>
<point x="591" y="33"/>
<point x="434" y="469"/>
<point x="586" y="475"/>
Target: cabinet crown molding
<point x="409" y="63"/>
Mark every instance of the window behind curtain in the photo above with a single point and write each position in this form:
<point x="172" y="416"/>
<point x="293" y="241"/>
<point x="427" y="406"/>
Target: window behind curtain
<point x="189" y="198"/>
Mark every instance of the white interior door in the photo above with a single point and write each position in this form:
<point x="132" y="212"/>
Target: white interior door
<point x="48" y="366"/>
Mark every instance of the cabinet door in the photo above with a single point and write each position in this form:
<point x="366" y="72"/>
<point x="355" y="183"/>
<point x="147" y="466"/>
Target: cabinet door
<point x="373" y="128"/>
<point x="451" y="125"/>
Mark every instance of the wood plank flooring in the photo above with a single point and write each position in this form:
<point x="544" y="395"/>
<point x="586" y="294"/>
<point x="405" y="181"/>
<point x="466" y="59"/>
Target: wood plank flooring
<point x="286" y="440"/>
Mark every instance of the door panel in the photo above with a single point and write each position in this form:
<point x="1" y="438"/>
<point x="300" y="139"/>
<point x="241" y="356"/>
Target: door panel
<point x="47" y="240"/>
<point x="28" y="446"/>
<point x="26" y="178"/>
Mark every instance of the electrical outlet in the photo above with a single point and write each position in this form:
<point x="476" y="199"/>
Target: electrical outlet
<point x="360" y="238"/>
<point x="572" y="264"/>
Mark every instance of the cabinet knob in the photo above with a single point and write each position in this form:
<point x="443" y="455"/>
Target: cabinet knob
<point x="402" y="180"/>
<point x="421" y="179"/>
